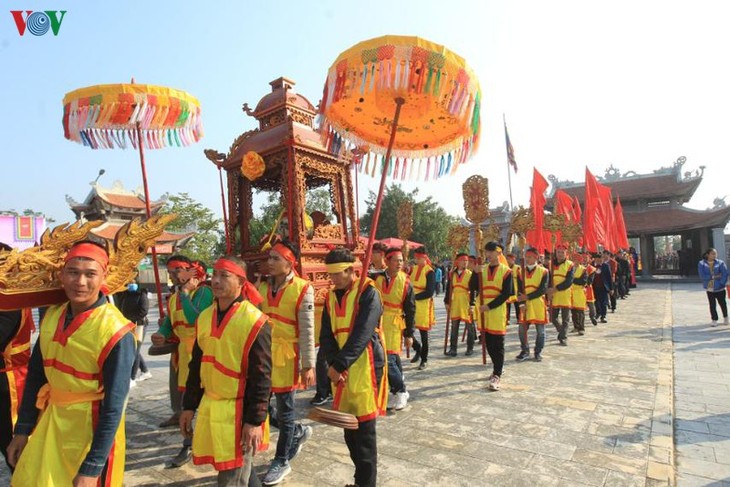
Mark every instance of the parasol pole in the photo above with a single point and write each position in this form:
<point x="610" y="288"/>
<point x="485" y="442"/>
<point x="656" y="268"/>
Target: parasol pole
<point x="399" y="101"/>
<point x="225" y="213"/>
<point x="158" y="289"/>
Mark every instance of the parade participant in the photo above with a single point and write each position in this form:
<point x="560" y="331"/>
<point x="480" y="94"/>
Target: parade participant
<point x="289" y="303"/>
<point x="353" y="349"/>
<point x="399" y="310"/>
<point x="559" y="292"/>
<point x="516" y="272"/>
<point x="183" y="308"/>
<point x="532" y="297"/>
<point x="590" y="293"/>
<point x="493" y="285"/>
<point x="78" y="381"/>
<point x="424" y="285"/>
<point x="438" y="276"/>
<point x="602" y="285"/>
<point x="623" y="274"/>
<point x="714" y="275"/>
<point x="134" y="305"/>
<point x="378" y="265"/>
<point x="229" y="379"/>
<point x="578" y="302"/>
<point x="459" y="303"/>
<point x="608" y="258"/>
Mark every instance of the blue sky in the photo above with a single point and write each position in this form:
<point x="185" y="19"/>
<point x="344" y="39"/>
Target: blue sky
<point x="634" y="84"/>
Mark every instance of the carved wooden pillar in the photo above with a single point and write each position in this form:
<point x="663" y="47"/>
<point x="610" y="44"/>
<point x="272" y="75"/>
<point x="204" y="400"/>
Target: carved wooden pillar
<point x="234" y="204"/>
<point x="350" y="202"/>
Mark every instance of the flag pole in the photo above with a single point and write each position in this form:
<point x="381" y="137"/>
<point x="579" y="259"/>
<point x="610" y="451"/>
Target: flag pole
<point x="509" y="175"/>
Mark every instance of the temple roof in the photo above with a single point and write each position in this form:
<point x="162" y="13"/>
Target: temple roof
<point x="282" y="94"/>
<point x="666" y="183"/>
<point x="109" y="230"/>
<point x="674" y="219"/>
<point x="116" y="197"/>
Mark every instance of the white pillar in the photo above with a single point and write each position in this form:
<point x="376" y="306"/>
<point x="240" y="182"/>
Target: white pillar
<point x="718" y="241"/>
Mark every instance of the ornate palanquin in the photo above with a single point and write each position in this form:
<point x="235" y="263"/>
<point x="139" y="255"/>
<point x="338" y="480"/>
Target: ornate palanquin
<point x="296" y="161"/>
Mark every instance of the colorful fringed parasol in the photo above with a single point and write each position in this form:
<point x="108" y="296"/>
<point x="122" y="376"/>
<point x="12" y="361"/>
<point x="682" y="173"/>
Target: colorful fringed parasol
<point x="130" y="114"/>
<point x="438" y="127"/>
<point x="410" y="105"/>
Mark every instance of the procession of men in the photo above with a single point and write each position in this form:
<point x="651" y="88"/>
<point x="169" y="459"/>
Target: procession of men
<point x="244" y="349"/>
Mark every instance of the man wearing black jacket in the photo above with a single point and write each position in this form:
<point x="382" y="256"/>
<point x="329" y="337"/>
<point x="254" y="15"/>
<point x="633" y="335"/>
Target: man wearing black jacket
<point x="351" y="345"/>
<point x="602" y="285"/>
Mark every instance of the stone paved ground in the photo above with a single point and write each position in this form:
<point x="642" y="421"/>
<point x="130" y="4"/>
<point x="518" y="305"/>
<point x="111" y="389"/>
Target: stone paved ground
<point x="598" y="412"/>
<point x="702" y="399"/>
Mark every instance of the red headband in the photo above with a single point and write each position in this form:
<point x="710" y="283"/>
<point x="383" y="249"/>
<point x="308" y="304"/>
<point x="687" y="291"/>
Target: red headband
<point x="532" y="251"/>
<point x="391" y="253"/>
<point x="285" y="252"/>
<point x="229" y="266"/>
<point x="199" y="270"/>
<point x="88" y="251"/>
<point x="463" y="258"/>
<point x="178" y="264"/>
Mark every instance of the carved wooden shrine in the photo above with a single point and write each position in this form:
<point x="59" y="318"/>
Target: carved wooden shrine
<point x="296" y="161"/>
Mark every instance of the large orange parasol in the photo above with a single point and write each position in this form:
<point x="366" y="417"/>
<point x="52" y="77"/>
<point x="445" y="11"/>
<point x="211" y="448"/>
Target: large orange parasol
<point x="133" y="115"/>
<point x="410" y="105"/>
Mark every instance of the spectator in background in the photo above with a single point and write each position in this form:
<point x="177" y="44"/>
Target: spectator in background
<point x="439" y="277"/>
<point x="134" y="305"/>
<point x="713" y="273"/>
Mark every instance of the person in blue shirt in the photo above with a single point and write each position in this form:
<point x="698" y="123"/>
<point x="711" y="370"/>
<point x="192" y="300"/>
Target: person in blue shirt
<point x="713" y="273"/>
<point x="439" y="275"/>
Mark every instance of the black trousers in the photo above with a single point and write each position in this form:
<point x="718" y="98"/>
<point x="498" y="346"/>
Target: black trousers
<point x="363" y="447"/>
<point x="422" y="347"/>
<point x="495" y="349"/>
<point x="471" y="335"/>
<point x="323" y="381"/>
<point x="716" y="298"/>
<point x="579" y="319"/>
<point x="6" y="422"/>
<point x="513" y="306"/>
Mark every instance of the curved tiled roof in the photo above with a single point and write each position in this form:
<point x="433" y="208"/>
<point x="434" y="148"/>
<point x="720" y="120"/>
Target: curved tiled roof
<point x="674" y="219"/>
<point x="651" y="186"/>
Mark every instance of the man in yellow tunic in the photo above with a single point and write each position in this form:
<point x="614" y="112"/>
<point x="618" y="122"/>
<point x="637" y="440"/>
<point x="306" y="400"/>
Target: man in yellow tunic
<point x="399" y="310"/>
<point x="493" y="285"/>
<point x="579" y="302"/>
<point x="352" y="345"/>
<point x="183" y="308"/>
<point x="532" y="298"/>
<point x="516" y="272"/>
<point x="229" y="380"/>
<point x="560" y="292"/>
<point x="423" y="280"/>
<point x="288" y="300"/>
<point x="78" y="380"/>
<point x="459" y="303"/>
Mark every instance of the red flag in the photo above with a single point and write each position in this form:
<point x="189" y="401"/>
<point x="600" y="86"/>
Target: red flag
<point x="606" y="211"/>
<point x="564" y="205"/>
<point x="536" y="237"/>
<point x="593" y="224"/>
<point x="623" y="239"/>
<point x="576" y="209"/>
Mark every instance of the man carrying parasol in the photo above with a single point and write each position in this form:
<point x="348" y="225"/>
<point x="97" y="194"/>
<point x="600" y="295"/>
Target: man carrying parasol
<point x="351" y="343"/>
<point x="78" y="381"/>
<point x="423" y="279"/>
<point x="229" y="380"/>
<point x="399" y="309"/>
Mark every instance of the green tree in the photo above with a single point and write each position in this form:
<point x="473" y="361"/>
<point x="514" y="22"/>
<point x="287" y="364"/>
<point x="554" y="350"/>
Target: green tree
<point x="431" y="223"/>
<point x="192" y="216"/>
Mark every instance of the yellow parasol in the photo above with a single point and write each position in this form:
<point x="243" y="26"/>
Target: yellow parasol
<point x="405" y="98"/>
<point x="130" y="114"/>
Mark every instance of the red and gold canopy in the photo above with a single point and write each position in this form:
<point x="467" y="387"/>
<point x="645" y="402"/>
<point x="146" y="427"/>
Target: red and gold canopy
<point x="106" y="116"/>
<point x="439" y="123"/>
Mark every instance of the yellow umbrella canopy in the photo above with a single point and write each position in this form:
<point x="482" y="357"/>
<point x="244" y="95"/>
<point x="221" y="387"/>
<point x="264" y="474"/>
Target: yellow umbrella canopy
<point x="438" y="127"/>
<point x="106" y="116"/>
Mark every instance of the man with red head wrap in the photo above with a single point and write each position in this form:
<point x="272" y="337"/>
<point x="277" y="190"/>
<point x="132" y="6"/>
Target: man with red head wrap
<point x="77" y="386"/>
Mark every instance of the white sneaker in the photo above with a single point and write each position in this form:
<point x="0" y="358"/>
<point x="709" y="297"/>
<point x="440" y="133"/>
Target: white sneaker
<point x="494" y="383"/>
<point x="132" y="383"/>
<point x="391" y="401"/>
<point x="144" y="376"/>
<point x="401" y="400"/>
<point x="726" y="321"/>
<point x="714" y="323"/>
